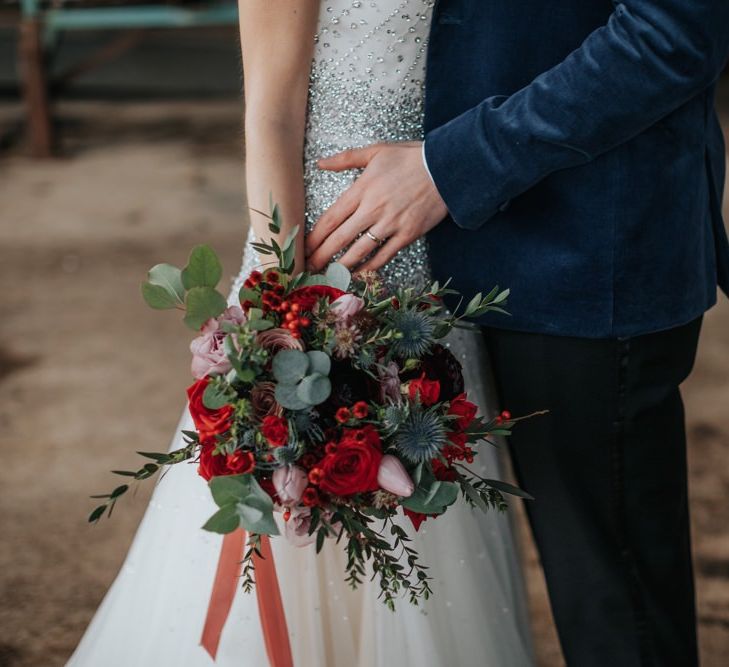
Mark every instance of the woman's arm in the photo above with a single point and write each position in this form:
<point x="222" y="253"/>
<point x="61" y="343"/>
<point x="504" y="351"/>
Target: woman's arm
<point x="277" y="41"/>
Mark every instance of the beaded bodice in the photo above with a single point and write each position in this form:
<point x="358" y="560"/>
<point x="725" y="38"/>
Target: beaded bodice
<point x="366" y="86"/>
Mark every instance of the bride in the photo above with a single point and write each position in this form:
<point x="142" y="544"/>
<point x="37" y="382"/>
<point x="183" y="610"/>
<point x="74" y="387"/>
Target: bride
<point x="321" y="78"/>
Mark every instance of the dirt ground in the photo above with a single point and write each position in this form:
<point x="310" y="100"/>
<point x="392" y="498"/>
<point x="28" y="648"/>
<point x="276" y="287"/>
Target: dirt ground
<point x="88" y="374"/>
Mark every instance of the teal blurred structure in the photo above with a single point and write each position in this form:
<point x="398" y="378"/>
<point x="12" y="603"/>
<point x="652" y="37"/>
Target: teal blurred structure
<point x="42" y="24"/>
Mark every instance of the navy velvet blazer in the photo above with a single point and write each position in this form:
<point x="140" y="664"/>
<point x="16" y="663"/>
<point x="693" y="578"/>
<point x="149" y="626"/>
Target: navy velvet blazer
<point x="577" y="148"/>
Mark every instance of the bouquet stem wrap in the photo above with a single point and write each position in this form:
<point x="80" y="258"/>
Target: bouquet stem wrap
<point x="270" y="606"/>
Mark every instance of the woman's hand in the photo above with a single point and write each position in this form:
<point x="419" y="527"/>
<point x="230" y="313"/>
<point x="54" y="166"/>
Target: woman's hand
<point x="393" y="203"/>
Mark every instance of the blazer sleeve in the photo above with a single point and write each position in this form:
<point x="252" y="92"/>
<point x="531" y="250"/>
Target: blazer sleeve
<point x="651" y="57"/>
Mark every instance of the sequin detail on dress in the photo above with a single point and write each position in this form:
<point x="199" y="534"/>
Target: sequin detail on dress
<point x="366" y="86"/>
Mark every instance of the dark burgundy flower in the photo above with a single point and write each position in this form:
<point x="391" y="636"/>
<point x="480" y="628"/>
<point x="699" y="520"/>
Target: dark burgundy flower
<point x="440" y="364"/>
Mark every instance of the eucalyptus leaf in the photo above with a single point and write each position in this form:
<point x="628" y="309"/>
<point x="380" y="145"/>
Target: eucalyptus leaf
<point x="502" y="297"/>
<point x="203" y="268"/>
<point x="256" y="515"/>
<point x="170" y="278"/>
<point x="319" y="362"/>
<point x="247" y="294"/>
<point x="260" y="324"/>
<point x="202" y="303"/>
<point x="473" y="304"/>
<point x="315" y="279"/>
<point x="287" y="397"/>
<point x="291" y="238"/>
<point x="158" y="297"/>
<point x="338" y="276"/>
<point x="230" y="489"/>
<point x="256" y="510"/>
<point x="289" y="257"/>
<point x="225" y="520"/>
<point x="314" y="389"/>
<point x="290" y="366"/>
<point x="215" y="397"/>
<point x="425" y="502"/>
<point x="247" y="375"/>
<point x="276" y="218"/>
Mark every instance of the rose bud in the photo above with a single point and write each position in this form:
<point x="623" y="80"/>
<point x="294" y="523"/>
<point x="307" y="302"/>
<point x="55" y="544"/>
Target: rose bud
<point x="296" y="529"/>
<point x="393" y="477"/>
<point x="290" y="482"/>
<point x="346" y="306"/>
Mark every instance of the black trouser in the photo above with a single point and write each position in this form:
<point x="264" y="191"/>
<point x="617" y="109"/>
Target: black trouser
<point x="607" y="467"/>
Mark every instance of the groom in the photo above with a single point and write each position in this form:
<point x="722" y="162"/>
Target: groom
<point x="574" y="156"/>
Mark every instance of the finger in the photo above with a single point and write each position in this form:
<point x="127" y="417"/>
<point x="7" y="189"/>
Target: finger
<point x="354" y="158"/>
<point x="363" y="247"/>
<point x="385" y="253"/>
<point x="334" y="216"/>
<point x="339" y="239"/>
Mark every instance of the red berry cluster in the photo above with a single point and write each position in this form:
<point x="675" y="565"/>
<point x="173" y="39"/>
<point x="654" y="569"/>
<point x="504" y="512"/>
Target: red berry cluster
<point x="272" y="300"/>
<point x="293" y="319"/>
<point x="505" y="416"/>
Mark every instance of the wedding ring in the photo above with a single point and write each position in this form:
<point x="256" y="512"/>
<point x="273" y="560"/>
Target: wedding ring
<point x="371" y="236"/>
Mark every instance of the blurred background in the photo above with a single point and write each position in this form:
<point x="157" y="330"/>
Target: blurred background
<point x="120" y="147"/>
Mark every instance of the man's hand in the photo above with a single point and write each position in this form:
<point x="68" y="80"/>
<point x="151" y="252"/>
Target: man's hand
<point x="394" y="200"/>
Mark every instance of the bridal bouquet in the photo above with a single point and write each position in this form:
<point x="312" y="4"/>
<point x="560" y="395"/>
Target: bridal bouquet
<point x="327" y="400"/>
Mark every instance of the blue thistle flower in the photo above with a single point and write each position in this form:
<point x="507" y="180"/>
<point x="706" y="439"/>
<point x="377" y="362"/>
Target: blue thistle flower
<point x="366" y="358"/>
<point x="421" y="436"/>
<point x="416" y="333"/>
<point x="392" y="417"/>
<point x="247" y="439"/>
<point x="304" y="422"/>
<point x="286" y="455"/>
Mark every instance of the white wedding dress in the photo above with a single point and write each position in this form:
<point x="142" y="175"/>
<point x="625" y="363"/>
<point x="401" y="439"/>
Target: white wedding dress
<point x="366" y="86"/>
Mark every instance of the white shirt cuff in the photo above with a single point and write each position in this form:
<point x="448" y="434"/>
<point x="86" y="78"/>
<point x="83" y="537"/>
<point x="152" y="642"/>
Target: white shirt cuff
<point x="425" y="163"/>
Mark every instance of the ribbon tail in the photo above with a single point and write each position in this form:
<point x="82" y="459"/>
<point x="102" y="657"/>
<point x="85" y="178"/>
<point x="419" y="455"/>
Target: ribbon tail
<point x="226" y="582"/>
<point x="270" y="608"/>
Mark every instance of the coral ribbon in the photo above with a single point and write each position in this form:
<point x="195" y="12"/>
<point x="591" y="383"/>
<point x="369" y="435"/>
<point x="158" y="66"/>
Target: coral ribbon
<point x="270" y="606"/>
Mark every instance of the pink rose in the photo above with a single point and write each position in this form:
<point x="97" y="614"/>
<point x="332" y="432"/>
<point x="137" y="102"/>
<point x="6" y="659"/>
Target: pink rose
<point x="208" y="355"/>
<point x="346" y="307"/>
<point x="289" y="482"/>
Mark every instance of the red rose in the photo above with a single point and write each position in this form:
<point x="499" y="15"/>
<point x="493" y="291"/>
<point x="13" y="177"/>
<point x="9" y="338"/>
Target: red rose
<point x="306" y="297"/>
<point x="353" y="467"/>
<point x="216" y="465"/>
<point x="211" y="465"/>
<point x="276" y="430"/>
<point x="464" y="410"/>
<point x="240" y="462"/>
<point x="428" y="390"/>
<point x="360" y="409"/>
<point x="208" y="423"/>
